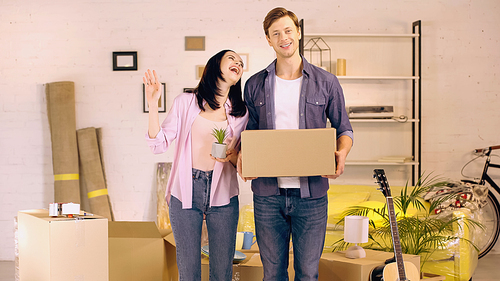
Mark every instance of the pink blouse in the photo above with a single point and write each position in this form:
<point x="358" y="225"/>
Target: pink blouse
<point x="201" y="142"/>
<point x="177" y="126"/>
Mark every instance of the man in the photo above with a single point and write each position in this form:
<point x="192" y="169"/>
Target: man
<point x="293" y="94"/>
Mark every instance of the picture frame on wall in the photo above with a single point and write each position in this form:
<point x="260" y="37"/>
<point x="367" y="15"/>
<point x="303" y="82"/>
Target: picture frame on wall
<point x="124" y="61"/>
<point x="194" y="43"/>
<point x="162" y="102"/>
<point x="199" y="71"/>
<point x="244" y="58"/>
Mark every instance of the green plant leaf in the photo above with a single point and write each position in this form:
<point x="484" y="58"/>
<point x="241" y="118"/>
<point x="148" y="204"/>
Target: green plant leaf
<point x="219" y="134"/>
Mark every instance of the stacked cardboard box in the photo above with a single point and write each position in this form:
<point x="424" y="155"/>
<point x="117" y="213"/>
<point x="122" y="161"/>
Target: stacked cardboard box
<point x="60" y="248"/>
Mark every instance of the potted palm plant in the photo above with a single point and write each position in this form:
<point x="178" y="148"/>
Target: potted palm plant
<point x="422" y="234"/>
<point x="219" y="148"/>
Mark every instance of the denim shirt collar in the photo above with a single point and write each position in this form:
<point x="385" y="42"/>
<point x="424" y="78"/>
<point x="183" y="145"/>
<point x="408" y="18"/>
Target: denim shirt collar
<point x="306" y="68"/>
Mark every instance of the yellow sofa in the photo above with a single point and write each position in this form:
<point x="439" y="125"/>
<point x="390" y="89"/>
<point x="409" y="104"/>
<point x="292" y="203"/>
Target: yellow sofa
<point x="457" y="261"/>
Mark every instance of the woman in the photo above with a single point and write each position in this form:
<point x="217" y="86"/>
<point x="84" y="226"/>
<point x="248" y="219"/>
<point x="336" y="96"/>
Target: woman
<point x="201" y="186"/>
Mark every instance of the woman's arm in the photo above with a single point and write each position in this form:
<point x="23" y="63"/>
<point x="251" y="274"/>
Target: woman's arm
<point x="152" y="89"/>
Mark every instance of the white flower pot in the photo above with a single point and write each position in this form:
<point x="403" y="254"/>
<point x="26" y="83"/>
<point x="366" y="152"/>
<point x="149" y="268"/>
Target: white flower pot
<point x="219" y="150"/>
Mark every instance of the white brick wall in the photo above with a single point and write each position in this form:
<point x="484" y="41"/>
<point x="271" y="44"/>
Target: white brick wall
<point x="46" y="41"/>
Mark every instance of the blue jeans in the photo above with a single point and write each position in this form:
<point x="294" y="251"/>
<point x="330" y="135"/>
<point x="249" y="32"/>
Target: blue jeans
<point x="222" y="223"/>
<point x="279" y="216"/>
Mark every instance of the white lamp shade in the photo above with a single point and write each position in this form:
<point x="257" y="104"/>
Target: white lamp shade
<point x="356" y="229"/>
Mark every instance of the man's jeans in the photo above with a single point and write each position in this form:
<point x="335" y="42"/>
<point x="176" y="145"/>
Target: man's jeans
<point x="278" y="216"/>
<point x="222" y="223"/>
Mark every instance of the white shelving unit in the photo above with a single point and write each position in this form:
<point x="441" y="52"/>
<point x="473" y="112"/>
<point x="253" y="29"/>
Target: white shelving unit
<point x="400" y="81"/>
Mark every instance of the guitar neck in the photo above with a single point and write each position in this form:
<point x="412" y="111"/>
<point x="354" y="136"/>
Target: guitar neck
<point x="398" y="253"/>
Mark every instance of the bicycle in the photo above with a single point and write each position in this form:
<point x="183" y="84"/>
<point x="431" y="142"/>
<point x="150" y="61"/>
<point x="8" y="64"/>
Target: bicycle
<point x="491" y="210"/>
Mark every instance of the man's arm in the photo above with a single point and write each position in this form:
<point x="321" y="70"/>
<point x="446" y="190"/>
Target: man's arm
<point x="344" y="144"/>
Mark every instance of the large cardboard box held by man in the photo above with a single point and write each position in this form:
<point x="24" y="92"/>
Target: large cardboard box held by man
<point x="62" y="249"/>
<point x="282" y="153"/>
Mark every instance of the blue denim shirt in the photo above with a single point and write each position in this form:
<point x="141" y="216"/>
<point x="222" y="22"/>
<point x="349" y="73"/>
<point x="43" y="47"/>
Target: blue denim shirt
<point x="321" y="97"/>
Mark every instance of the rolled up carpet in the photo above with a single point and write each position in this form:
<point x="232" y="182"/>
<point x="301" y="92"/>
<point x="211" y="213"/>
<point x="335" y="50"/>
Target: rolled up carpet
<point x="162" y="176"/>
<point x="62" y="122"/>
<point x="92" y="169"/>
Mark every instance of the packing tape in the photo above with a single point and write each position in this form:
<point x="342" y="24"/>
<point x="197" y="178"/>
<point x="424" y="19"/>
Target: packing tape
<point x="98" y="192"/>
<point x="66" y="177"/>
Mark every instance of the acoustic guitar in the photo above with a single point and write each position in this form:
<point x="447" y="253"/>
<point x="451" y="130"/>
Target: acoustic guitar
<point x="398" y="270"/>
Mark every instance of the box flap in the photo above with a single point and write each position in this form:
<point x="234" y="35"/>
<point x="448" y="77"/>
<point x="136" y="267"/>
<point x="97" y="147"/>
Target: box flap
<point x="170" y="239"/>
<point x="135" y="229"/>
<point x="44" y="215"/>
<point x="164" y="232"/>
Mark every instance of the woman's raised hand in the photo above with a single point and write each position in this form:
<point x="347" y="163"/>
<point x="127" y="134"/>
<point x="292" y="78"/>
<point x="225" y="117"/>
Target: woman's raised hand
<point x="152" y="85"/>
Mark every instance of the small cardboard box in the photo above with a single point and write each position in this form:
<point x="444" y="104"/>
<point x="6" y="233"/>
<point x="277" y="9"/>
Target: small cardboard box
<point x="62" y="249"/>
<point x="136" y="251"/>
<point x="282" y="153"/>
<point x="248" y="270"/>
<point x="335" y="266"/>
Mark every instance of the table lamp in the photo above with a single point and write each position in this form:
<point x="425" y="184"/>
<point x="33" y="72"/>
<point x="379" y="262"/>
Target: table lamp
<point x="355" y="231"/>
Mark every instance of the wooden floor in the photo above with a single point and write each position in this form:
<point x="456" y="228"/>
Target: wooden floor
<point x="488" y="269"/>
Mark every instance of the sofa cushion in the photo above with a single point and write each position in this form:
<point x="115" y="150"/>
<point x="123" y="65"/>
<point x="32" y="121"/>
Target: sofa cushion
<point x="339" y="202"/>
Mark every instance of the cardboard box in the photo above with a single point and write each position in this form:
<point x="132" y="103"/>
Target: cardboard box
<point x="136" y="251"/>
<point x="62" y="249"/>
<point x="335" y="266"/>
<point x="141" y="251"/>
<point x="248" y="270"/>
<point x="281" y="153"/>
<point x="170" y="271"/>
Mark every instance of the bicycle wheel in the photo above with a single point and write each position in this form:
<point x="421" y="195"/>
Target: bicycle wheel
<point x="491" y="222"/>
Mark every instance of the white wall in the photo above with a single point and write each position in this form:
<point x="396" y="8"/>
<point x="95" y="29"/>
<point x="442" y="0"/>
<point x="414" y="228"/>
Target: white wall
<point x="47" y="41"/>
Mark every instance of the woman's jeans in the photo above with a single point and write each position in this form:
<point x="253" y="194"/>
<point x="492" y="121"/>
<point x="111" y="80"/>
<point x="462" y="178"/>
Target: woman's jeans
<point x="222" y="223"/>
<point x="278" y="216"/>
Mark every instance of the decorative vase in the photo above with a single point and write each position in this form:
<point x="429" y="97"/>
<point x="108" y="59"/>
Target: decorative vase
<point x="219" y="150"/>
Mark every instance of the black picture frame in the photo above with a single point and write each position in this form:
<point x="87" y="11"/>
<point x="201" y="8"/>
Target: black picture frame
<point x="162" y="102"/>
<point x="124" y="61"/>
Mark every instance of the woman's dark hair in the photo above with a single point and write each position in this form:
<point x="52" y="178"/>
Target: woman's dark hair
<point x="208" y="89"/>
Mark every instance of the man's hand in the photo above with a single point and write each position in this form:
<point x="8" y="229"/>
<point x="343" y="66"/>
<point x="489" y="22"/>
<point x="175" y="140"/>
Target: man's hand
<point x="344" y="144"/>
<point x="239" y="167"/>
<point x="340" y="161"/>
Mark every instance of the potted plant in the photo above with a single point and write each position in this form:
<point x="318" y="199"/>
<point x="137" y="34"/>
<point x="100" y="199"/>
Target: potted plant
<point x="422" y="234"/>
<point x="219" y="147"/>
